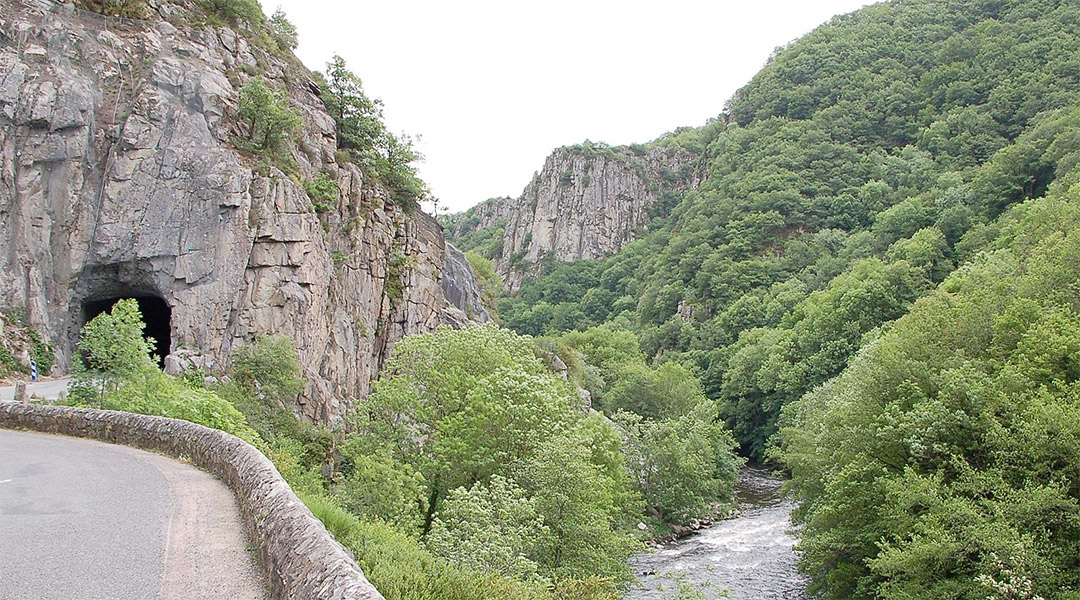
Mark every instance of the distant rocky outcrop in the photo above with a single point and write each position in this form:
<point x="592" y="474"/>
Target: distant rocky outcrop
<point x="588" y="202"/>
<point x="118" y="177"/>
<point x="462" y="291"/>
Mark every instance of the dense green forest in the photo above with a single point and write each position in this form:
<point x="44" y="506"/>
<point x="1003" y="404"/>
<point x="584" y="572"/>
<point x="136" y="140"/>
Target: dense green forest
<point x="846" y="180"/>
<point x="913" y="158"/>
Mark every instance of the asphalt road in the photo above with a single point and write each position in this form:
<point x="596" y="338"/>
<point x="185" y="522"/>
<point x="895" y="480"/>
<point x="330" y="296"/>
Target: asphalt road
<point x="85" y="520"/>
<point x="48" y="390"/>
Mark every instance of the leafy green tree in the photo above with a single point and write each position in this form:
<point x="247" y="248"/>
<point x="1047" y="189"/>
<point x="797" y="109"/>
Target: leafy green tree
<point x="362" y="133"/>
<point x="113" y="343"/>
<point x="269" y="120"/>
<point x="490" y="526"/>
<point x="580" y="511"/>
<point x="358" y="118"/>
<point x="684" y="467"/>
<point x="283" y="31"/>
<point x="269" y="370"/>
<point x="668" y="391"/>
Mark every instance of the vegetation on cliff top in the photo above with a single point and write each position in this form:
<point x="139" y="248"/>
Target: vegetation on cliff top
<point x="269" y="122"/>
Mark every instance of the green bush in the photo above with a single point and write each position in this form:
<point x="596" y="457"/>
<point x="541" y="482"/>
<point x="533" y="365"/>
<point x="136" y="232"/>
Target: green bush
<point x="152" y="392"/>
<point x="247" y="11"/>
<point x="270" y="121"/>
<point x="41" y="352"/>
<point x="323" y="192"/>
<point x="268" y="370"/>
<point x="375" y="487"/>
<point x="401" y="569"/>
<point x="8" y="363"/>
<point x="133" y="9"/>
<point x="113" y="342"/>
<point x="123" y="376"/>
<point x="491" y="283"/>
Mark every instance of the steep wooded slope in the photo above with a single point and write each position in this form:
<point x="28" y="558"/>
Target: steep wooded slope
<point x="843" y="182"/>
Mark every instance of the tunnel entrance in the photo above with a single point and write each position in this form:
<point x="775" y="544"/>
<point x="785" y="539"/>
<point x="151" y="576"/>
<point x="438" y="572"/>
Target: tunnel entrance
<point x="156" y="315"/>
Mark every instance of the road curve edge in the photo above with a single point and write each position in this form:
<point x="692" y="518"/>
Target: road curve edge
<point x="299" y="558"/>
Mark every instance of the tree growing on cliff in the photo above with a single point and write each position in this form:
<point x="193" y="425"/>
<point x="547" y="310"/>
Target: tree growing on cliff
<point x="282" y="29"/>
<point x="235" y="11"/>
<point x="358" y="118"/>
<point x="269" y="120"/>
<point x="363" y="135"/>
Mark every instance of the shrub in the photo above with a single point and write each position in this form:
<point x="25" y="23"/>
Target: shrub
<point x="130" y="381"/>
<point x="269" y="119"/>
<point x="269" y="370"/>
<point x="236" y="11"/>
<point x="113" y="343"/>
<point x="323" y="192"/>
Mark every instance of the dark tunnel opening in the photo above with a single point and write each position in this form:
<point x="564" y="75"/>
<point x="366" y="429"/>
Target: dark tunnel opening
<point x="156" y="315"/>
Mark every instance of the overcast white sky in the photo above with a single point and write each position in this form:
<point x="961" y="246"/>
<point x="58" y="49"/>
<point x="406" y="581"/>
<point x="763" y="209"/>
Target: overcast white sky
<point x="493" y="86"/>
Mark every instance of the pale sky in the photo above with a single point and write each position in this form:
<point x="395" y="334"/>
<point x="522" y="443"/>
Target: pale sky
<point x="492" y="87"/>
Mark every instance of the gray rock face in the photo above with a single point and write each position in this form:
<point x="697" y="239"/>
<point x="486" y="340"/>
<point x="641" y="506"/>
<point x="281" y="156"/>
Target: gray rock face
<point x="118" y="178"/>
<point x="462" y="291"/>
<point x="584" y="204"/>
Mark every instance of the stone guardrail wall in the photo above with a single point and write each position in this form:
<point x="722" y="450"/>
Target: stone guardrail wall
<point x="300" y="559"/>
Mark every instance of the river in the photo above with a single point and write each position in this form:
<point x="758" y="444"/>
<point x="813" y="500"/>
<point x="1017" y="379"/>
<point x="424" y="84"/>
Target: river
<point x="749" y="556"/>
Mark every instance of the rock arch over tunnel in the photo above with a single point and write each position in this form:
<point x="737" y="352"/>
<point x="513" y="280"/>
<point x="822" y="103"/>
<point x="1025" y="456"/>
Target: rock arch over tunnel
<point x="156" y="313"/>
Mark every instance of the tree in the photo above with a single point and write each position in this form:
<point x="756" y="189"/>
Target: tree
<point x="489" y="527"/>
<point x="248" y="11"/>
<point x="580" y="508"/>
<point x="474" y="406"/>
<point x="113" y="342"/>
<point x="362" y="133"/>
<point x="269" y="370"/>
<point x="358" y="118"/>
<point x="684" y="467"/>
<point x="270" y="122"/>
<point x="282" y="29"/>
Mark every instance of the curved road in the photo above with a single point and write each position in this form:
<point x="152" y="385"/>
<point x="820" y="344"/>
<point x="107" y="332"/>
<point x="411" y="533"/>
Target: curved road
<point x="49" y="389"/>
<point x="81" y="519"/>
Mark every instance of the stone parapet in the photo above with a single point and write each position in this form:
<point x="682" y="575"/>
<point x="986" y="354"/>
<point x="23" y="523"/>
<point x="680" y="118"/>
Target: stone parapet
<point x="300" y="559"/>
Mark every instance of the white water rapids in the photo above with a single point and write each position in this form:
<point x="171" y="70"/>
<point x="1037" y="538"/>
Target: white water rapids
<point x="750" y="556"/>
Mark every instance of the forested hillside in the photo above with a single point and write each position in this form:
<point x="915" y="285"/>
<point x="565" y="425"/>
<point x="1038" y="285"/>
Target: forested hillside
<point x="945" y="461"/>
<point x="913" y="158"/>
<point x="847" y="179"/>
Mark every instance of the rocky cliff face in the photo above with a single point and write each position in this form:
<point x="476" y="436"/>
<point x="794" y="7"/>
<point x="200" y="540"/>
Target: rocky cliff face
<point x="118" y="178"/>
<point x="588" y="202"/>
